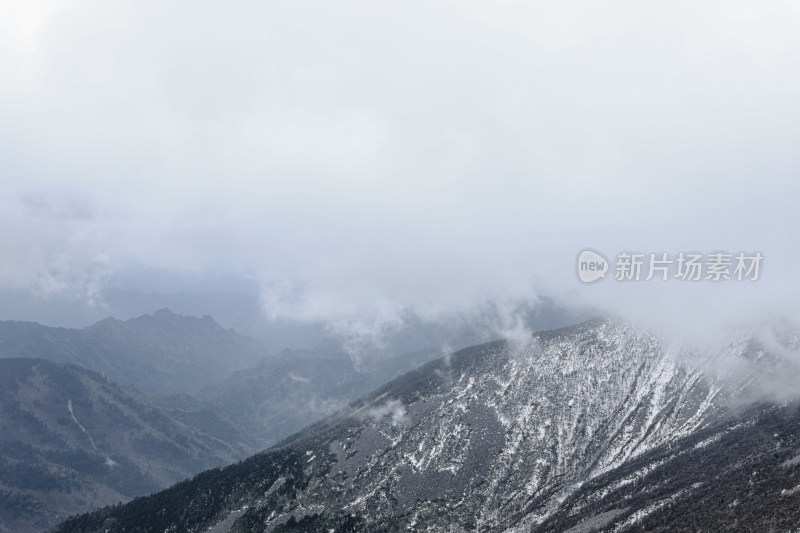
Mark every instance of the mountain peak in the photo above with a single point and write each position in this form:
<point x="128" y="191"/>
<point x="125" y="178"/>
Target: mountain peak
<point x="167" y="317"/>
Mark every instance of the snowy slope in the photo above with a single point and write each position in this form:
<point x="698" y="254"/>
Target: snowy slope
<point x="497" y="437"/>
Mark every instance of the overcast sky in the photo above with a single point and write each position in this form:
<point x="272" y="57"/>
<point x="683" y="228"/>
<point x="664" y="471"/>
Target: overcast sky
<point x="354" y="157"/>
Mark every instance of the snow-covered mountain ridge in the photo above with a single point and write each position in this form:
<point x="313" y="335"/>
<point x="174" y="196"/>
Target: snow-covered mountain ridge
<point x="496" y="437"/>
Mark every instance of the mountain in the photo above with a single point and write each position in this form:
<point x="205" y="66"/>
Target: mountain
<point x="741" y="475"/>
<point x="297" y="387"/>
<point x="268" y="396"/>
<point x="280" y="396"/>
<point x="161" y="353"/>
<point x="596" y="426"/>
<point x="71" y="440"/>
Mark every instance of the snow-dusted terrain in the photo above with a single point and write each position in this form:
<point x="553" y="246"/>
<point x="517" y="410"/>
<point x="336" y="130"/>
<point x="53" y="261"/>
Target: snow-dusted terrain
<point x="500" y="437"/>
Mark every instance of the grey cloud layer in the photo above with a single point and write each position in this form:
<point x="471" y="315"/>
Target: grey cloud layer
<point x="360" y="157"/>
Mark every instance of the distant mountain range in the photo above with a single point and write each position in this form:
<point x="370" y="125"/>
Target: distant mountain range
<point x="101" y="414"/>
<point x="161" y="353"/>
<point x="281" y="396"/>
<point x="596" y="427"/>
<point x="72" y="440"/>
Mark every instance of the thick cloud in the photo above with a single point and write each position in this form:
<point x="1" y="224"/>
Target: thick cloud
<point x="360" y="158"/>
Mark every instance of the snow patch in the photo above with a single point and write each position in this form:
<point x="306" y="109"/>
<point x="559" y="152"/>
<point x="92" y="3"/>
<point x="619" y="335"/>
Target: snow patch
<point x="74" y="419"/>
